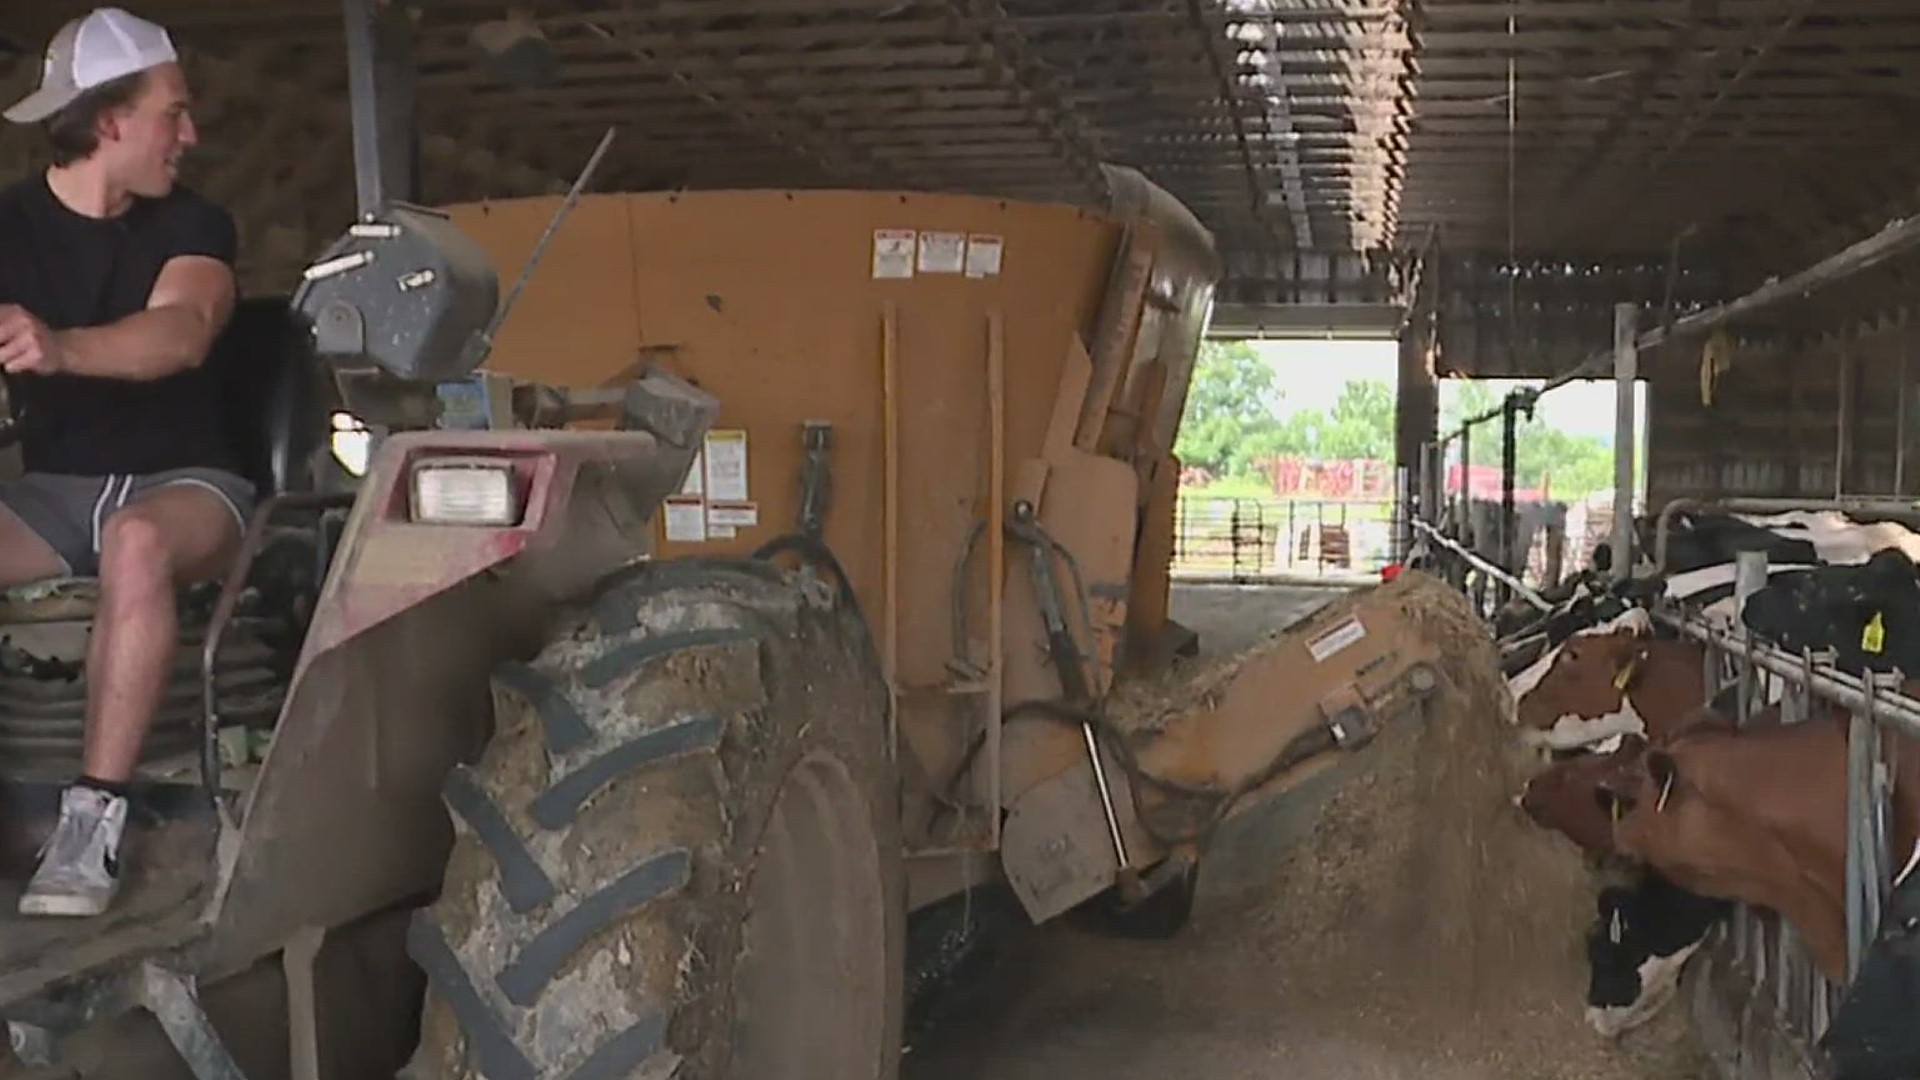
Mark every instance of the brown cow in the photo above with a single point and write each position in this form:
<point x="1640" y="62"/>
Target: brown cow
<point x="1757" y="816"/>
<point x="1567" y="797"/>
<point x="1617" y="679"/>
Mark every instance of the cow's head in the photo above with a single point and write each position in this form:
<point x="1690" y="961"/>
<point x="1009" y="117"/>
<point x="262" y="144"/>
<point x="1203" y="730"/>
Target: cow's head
<point x="1581" y="695"/>
<point x="1567" y="797"/>
<point x="1628" y="982"/>
<point x="1640" y="787"/>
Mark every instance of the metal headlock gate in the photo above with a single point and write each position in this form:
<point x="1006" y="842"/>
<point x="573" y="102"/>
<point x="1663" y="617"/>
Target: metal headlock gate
<point x="1765" y="952"/>
<point x="1784" y="1003"/>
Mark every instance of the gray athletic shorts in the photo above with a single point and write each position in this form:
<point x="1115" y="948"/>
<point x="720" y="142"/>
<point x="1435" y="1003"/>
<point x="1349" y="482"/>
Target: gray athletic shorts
<point x="70" y="512"/>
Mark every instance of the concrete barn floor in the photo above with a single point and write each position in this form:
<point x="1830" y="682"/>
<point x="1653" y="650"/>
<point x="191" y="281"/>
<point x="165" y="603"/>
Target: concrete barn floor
<point x="1239" y="995"/>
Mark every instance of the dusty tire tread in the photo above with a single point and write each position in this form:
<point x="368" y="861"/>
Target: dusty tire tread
<point x="527" y="975"/>
<point x="681" y="664"/>
<point x="556" y="807"/>
<point x="624" y="659"/>
<point x="522" y="882"/>
<point x="493" y="1048"/>
<point x="619" y="1056"/>
<point x="622" y="593"/>
<point x="564" y="727"/>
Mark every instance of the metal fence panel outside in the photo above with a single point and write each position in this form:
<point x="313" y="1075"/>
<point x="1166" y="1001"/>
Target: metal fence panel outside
<point x="1249" y="538"/>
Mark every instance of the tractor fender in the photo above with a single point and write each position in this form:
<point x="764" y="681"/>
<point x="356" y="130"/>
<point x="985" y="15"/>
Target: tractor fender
<point x="390" y="690"/>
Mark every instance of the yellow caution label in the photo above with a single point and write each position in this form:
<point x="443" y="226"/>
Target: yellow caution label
<point x="1874" y="638"/>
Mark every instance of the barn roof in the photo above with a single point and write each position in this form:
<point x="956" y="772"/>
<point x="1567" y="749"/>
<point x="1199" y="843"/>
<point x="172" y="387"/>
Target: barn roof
<point x="1756" y="133"/>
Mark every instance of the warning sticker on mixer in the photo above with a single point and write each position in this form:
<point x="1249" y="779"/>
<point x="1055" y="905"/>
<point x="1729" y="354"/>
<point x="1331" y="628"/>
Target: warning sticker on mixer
<point x="1336" y="639"/>
<point x="983" y="255"/>
<point x="726" y="455"/>
<point x="942" y="252"/>
<point x="893" y="253"/>
<point x="733" y="515"/>
<point x="686" y="519"/>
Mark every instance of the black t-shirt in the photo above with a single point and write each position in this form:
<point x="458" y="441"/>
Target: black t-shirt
<point x="72" y="271"/>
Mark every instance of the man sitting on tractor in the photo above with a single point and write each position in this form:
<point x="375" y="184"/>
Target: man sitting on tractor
<point x="114" y="284"/>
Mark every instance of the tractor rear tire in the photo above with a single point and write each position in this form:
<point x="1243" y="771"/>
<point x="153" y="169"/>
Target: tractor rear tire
<point x="679" y="855"/>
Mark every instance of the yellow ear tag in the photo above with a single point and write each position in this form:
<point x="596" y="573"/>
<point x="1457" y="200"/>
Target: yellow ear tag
<point x="1624" y="678"/>
<point x="1874" y="638"/>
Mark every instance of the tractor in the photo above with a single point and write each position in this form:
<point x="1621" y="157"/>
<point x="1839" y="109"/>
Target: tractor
<point x="782" y="564"/>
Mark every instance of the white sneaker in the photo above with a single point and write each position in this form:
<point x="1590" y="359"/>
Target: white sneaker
<point x="80" y="863"/>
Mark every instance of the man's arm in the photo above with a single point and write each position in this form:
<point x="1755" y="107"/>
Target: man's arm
<point x="191" y="301"/>
<point x="189" y="304"/>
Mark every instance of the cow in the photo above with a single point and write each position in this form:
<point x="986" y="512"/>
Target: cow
<point x="1710" y="590"/>
<point x="1874" y="1036"/>
<point x="1868" y="614"/>
<point x="1757" y="816"/>
<point x="1566" y="797"/>
<point x="1702" y="538"/>
<point x="1638" y="946"/>
<point x="1608" y="681"/>
<point x="1838" y="539"/>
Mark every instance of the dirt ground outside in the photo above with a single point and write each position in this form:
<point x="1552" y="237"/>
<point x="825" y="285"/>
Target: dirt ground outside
<point x="1360" y="931"/>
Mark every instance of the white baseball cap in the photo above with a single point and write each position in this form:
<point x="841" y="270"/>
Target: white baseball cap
<point x="97" y="48"/>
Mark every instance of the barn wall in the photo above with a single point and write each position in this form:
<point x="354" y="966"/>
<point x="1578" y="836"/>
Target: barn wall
<point x="1774" y="426"/>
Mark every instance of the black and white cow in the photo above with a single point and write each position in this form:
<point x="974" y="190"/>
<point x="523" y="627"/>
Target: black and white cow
<point x="1834" y="582"/>
<point x="1869" y="614"/>
<point x="1639" y="945"/>
<point x="1698" y="539"/>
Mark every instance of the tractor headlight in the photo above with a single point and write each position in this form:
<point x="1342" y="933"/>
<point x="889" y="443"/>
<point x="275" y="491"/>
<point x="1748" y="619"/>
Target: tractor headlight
<point x="466" y="491"/>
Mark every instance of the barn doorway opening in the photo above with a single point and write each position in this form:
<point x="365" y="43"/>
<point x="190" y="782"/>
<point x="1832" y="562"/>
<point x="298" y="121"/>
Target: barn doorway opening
<point x="1287" y="460"/>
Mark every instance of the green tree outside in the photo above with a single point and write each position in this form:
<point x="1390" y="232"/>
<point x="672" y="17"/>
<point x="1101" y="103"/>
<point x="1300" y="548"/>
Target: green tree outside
<point x="1232" y="424"/>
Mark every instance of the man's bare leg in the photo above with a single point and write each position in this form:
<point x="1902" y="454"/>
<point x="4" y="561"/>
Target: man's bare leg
<point x="167" y="536"/>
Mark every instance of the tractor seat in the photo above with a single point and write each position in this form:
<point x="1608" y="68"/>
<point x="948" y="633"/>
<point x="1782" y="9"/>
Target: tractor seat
<point x="276" y="396"/>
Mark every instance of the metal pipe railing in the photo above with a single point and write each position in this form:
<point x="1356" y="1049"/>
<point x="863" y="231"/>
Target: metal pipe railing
<point x="1836" y="686"/>
<point x="1871" y="701"/>
<point x="1893" y="239"/>
<point x="1484" y="566"/>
